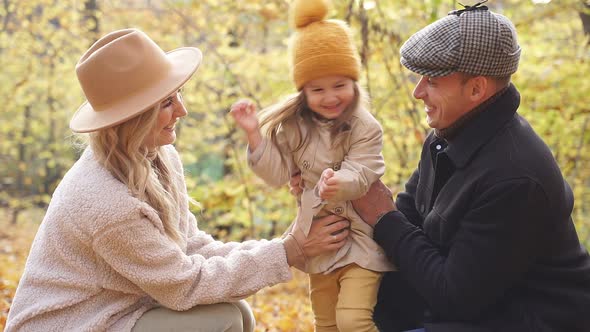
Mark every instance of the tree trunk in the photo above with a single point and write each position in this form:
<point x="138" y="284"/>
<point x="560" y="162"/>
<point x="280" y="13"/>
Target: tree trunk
<point x="585" y="17"/>
<point x="22" y="161"/>
<point x="6" y="18"/>
<point x="51" y="173"/>
<point x="91" y="19"/>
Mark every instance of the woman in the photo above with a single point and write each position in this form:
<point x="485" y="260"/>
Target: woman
<point x="118" y="248"/>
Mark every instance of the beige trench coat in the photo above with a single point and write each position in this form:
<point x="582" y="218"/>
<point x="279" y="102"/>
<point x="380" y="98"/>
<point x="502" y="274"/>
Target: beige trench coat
<point x="358" y="156"/>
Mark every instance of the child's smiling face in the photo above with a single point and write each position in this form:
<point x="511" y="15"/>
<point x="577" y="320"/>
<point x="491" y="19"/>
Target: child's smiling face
<point x="329" y="96"/>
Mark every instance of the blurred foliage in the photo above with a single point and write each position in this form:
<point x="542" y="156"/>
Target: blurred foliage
<point x="245" y="55"/>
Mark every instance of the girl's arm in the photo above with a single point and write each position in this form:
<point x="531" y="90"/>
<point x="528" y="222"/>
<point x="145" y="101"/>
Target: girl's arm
<point x="273" y="163"/>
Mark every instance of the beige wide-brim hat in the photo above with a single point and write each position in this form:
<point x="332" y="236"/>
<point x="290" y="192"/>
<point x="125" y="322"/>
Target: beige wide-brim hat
<point x="126" y="73"/>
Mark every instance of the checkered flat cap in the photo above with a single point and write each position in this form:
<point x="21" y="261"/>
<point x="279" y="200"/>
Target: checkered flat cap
<point x="477" y="42"/>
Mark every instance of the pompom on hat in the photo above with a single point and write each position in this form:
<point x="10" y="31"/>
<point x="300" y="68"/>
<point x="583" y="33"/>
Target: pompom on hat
<point x="320" y="47"/>
<point x="124" y="74"/>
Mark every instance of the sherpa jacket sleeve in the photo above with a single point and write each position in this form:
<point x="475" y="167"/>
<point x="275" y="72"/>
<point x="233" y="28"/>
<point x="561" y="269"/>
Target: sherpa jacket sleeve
<point x="201" y="243"/>
<point x="209" y="272"/>
<point x="141" y="253"/>
<point x="363" y="163"/>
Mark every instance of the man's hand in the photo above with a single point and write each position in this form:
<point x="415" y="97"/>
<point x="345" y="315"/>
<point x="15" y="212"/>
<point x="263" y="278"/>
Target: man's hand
<point x="295" y="184"/>
<point x="376" y="202"/>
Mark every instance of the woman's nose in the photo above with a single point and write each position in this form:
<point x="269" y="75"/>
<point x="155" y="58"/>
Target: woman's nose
<point x="180" y="109"/>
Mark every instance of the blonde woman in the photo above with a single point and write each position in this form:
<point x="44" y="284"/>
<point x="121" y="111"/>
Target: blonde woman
<point x="118" y="249"/>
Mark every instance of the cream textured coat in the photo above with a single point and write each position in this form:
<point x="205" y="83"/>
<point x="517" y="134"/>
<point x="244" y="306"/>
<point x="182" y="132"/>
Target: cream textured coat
<point x="359" y="157"/>
<point x="100" y="259"/>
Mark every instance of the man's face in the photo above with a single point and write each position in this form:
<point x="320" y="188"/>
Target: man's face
<point x="445" y="99"/>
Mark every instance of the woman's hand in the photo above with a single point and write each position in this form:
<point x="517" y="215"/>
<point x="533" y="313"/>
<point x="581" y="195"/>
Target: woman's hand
<point x="327" y="234"/>
<point x="376" y="202"/>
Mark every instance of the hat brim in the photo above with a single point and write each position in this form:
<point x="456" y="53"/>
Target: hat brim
<point x="185" y="62"/>
<point x="430" y="72"/>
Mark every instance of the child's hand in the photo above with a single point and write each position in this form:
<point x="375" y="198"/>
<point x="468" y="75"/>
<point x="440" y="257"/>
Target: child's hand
<point x="329" y="184"/>
<point x="244" y="112"/>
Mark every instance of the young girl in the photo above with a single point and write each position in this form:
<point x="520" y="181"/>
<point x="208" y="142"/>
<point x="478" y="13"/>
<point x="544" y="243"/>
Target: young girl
<point x="325" y="132"/>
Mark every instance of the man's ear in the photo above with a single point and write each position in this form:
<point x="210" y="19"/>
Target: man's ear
<point x="478" y="89"/>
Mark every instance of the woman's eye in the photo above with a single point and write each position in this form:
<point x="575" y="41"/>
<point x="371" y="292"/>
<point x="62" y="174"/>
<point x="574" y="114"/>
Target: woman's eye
<point x="167" y="103"/>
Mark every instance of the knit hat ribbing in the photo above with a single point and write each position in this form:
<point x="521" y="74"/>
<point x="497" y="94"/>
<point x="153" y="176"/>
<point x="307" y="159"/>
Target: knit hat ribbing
<point x="320" y="47"/>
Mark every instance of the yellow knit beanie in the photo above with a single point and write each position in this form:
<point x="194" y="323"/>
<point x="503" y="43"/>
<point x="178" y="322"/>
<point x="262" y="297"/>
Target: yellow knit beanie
<point x="320" y="47"/>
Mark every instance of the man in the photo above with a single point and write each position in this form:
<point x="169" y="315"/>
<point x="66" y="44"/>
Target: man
<point x="482" y="236"/>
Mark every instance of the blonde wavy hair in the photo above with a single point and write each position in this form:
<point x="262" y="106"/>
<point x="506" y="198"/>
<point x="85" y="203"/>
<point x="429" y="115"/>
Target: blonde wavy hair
<point x="122" y="151"/>
<point x="273" y="117"/>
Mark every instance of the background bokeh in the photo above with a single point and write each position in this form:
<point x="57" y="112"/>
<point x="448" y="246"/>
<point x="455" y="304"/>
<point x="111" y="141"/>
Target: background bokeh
<point x="245" y="55"/>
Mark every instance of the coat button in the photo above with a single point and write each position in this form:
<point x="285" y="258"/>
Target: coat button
<point x="305" y="164"/>
<point x="422" y="208"/>
<point x="338" y="210"/>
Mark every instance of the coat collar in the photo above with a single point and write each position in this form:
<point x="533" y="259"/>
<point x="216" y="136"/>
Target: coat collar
<point x="483" y="127"/>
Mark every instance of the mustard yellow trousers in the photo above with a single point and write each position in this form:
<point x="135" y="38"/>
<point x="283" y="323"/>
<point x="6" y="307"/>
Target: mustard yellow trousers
<point x="343" y="300"/>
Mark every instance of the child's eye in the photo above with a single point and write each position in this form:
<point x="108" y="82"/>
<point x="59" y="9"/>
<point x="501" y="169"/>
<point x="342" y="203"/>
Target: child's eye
<point x="317" y="90"/>
<point x="339" y="85"/>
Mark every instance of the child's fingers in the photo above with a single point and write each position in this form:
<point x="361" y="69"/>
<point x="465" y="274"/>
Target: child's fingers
<point x="328" y="193"/>
<point x="241" y="104"/>
<point x="235" y="108"/>
<point x="250" y="107"/>
<point x="331" y="182"/>
<point x="330" y="189"/>
<point x="327" y="173"/>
